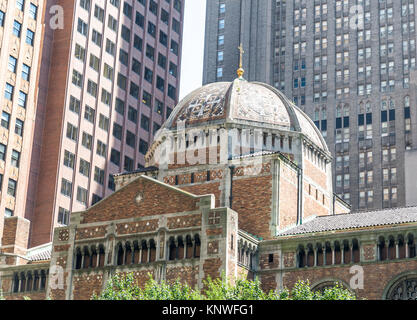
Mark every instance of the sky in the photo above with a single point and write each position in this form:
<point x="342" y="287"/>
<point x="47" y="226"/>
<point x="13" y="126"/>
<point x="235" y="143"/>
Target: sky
<point x="193" y="46"/>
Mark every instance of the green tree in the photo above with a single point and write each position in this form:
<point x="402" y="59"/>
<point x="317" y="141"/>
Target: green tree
<point x="124" y="287"/>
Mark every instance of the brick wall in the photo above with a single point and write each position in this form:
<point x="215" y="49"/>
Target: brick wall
<point x="252" y="198"/>
<point x="16" y="235"/>
<point x="377" y="276"/>
<point x="186" y="274"/>
<point x="288" y="190"/>
<point x="156" y="199"/>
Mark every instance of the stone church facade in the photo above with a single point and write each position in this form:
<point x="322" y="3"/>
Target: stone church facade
<point x="238" y="181"/>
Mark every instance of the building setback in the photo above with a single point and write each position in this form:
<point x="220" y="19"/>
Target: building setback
<point x="101" y="84"/>
<point x="350" y="65"/>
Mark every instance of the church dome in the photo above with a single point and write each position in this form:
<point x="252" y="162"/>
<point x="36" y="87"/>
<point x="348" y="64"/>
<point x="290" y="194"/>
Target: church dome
<point x="243" y="102"/>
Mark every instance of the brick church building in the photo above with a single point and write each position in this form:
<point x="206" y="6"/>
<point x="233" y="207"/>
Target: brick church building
<point x="238" y="180"/>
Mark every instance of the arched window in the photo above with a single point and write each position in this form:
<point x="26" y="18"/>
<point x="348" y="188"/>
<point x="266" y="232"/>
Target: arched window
<point x="401" y="247"/>
<point x="22" y="282"/>
<point x="310" y="256"/>
<point x="329" y="254"/>
<point x="78" y="259"/>
<point x="391" y="249"/>
<point x="29" y="282"/>
<point x="382" y="250"/>
<point x="136" y="252"/>
<point x="102" y="256"/>
<point x="320" y="256"/>
<point x="152" y="253"/>
<point x="144" y="257"/>
<point x="87" y="258"/>
<point x="301" y="257"/>
<point x="43" y="280"/>
<point x="347" y="255"/>
<point x="120" y="254"/>
<point x="356" y="252"/>
<point x="189" y="253"/>
<point x="93" y="257"/>
<point x="180" y="248"/>
<point x="16" y="283"/>
<point x="403" y="289"/>
<point x="337" y="253"/>
<point x="36" y="281"/>
<point x="172" y="249"/>
<point x="129" y="255"/>
<point x="197" y="246"/>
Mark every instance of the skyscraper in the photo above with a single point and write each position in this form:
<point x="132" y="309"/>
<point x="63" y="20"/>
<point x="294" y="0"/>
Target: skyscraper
<point x="349" y="64"/>
<point x="87" y="85"/>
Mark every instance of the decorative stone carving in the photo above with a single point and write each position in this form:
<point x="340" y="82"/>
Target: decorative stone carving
<point x="404" y="290"/>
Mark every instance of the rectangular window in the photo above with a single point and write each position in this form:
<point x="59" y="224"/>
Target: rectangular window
<point x="25" y="72"/>
<point x="87" y="140"/>
<point x="84" y="168"/>
<point x="63" y="216"/>
<point x="15" y="159"/>
<point x="30" y="37"/>
<point x="89" y="114"/>
<point x="74" y="105"/>
<point x="103" y="123"/>
<point x="79" y="52"/>
<point x="12" y="64"/>
<point x="5" y="120"/>
<point x="117" y="131"/>
<point x="72" y="132"/>
<point x="21" y="101"/>
<point x="66" y="188"/>
<point x="99" y="175"/>
<point x="115" y="157"/>
<point x="17" y="28"/>
<point x="69" y="159"/>
<point x="101" y="148"/>
<point x="20" y="4"/>
<point x="3" y="150"/>
<point x="82" y="195"/>
<point x="8" y="91"/>
<point x="11" y="188"/>
<point x="19" y="127"/>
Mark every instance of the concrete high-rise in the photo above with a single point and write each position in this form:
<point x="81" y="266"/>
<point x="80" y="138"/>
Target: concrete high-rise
<point x="87" y="84"/>
<point x="349" y="64"/>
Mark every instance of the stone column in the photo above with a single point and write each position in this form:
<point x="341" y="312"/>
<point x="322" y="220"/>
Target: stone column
<point x="351" y="252"/>
<point x="333" y="248"/>
<point x="315" y="256"/>
<point x="306" y="256"/>
<point x="397" y="250"/>
<point x="342" y="251"/>
<point x="324" y="255"/>
<point x="407" y="253"/>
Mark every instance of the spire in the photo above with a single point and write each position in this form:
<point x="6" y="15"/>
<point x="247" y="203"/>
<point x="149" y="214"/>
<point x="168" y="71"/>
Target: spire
<point x="240" y="71"/>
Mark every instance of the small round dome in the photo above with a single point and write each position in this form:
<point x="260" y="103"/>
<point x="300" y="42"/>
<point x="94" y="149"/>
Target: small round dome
<point x="240" y="101"/>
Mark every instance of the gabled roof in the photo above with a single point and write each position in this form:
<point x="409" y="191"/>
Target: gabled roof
<point x="355" y="221"/>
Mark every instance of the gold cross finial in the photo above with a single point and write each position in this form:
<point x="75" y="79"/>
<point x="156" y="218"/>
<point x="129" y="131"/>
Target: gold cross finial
<point x="240" y="71"/>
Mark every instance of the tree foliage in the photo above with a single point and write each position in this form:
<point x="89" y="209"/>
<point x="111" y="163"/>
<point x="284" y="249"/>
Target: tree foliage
<point x="124" y="287"/>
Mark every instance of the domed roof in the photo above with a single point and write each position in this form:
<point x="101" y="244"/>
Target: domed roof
<point x="240" y="101"/>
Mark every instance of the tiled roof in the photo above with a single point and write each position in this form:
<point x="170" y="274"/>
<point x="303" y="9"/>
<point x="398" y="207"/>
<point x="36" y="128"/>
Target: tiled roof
<point x="355" y="221"/>
<point x="41" y="253"/>
<point x="142" y="170"/>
